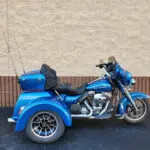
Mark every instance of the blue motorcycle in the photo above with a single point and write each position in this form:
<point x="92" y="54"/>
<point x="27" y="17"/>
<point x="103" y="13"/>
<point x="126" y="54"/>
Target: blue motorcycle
<point x="46" y="106"/>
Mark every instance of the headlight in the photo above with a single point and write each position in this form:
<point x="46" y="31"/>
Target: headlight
<point x="133" y="81"/>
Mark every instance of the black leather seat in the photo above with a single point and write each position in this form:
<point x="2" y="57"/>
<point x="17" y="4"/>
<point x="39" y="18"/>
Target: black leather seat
<point x="52" y="82"/>
<point x="67" y="89"/>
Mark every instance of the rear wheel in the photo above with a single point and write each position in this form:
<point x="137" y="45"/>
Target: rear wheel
<point x="131" y="116"/>
<point x="45" y="127"/>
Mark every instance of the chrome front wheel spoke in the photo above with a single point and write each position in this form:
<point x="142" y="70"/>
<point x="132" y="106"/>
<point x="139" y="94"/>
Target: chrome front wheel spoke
<point x="133" y="114"/>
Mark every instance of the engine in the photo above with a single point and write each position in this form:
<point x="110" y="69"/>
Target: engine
<point x="97" y="102"/>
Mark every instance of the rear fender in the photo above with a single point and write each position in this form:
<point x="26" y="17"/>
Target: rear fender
<point x="124" y="101"/>
<point x="44" y="104"/>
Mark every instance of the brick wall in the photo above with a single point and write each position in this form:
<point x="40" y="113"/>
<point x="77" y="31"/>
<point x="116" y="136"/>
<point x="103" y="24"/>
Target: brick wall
<point x="9" y="89"/>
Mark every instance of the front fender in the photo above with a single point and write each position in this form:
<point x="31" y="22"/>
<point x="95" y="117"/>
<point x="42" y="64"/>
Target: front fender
<point x="43" y="104"/>
<point x="124" y="101"/>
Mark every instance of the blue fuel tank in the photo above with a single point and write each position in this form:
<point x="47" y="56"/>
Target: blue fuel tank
<point x="99" y="85"/>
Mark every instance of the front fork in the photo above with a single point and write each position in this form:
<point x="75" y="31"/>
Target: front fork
<point x="127" y="94"/>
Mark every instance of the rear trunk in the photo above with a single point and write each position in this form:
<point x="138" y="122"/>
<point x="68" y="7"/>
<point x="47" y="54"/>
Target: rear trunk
<point x="39" y="80"/>
<point x="32" y="81"/>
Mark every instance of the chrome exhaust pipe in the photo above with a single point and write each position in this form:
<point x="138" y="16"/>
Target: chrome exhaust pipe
<point x="102" y="112"/>
<point x="91" y="112"/>
<point x="84" y="115"/>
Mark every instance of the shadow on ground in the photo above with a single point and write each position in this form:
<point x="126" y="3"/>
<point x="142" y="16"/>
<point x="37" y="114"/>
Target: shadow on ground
<point x="109" y="134"/>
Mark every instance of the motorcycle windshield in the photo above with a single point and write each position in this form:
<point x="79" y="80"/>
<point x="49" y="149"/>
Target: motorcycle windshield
<point x="123" y="75"/>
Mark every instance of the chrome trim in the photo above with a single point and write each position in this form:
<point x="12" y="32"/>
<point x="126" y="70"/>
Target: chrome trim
<point x="133" y="81"/>
<point x="96" y="80"/>
<point x="120" y="117"/>
<point x="21" y="109"/>
<point x="84" y="116"/>
<point x="130" y="98"/>
<point x="10" y="120"/>
<point x="58" y="95"/>
<point x="91" y="112"/>
<point x="103" y="111"/>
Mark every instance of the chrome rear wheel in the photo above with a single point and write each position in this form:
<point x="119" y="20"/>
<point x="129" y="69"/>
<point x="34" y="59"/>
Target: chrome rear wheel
<point x="44" y="124"/>
<point x="45" y="127"/>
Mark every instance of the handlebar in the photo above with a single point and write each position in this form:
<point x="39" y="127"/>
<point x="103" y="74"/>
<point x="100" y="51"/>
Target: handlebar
<point x="100" y="65"/>
<point x="108" y="66"/>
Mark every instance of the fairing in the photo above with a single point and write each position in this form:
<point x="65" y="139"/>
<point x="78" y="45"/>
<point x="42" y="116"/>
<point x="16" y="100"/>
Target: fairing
<point x="124" y="76"/>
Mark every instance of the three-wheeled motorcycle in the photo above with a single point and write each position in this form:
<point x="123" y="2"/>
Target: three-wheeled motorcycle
<point x="46" y="106"/>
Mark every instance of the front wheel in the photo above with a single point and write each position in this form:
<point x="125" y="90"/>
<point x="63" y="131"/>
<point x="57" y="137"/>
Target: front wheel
<point x="131" y="116"/>
<point x="45" y="127"/>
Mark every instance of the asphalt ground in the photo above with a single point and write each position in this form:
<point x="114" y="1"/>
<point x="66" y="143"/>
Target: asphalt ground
<point x="111" y="134"/>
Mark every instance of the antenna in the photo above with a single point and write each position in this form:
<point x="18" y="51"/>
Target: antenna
<point x="8" y="48"/>
<point x="20" y="56"/>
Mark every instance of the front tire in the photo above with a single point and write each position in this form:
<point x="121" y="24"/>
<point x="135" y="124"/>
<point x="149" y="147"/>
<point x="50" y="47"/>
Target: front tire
<point x="45" y="127"/>
<point x="131" y="116"/>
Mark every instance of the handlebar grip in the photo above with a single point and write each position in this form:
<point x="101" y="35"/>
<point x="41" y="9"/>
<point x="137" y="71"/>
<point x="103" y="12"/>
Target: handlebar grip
<point x="100" y="65"/>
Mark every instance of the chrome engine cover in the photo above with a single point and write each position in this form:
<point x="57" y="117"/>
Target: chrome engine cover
<point x="99" y="97"/>
<point x="102" y="96"/>
<point x="100" y="100"/>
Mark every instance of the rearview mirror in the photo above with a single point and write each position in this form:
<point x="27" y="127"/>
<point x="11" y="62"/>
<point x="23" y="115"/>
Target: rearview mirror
<point x="101" y="61"/>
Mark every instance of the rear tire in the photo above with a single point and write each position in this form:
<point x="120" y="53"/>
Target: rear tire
<point x="132" y="116"/>
<point x="45" y="127"/>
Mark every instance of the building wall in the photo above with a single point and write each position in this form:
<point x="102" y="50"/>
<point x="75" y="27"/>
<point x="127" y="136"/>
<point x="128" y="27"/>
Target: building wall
<point x="72" y="35"/>
<point x="10" y="89"/>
